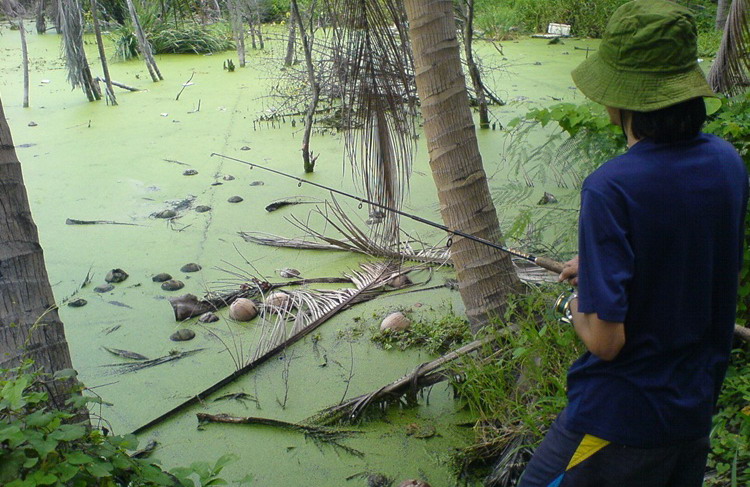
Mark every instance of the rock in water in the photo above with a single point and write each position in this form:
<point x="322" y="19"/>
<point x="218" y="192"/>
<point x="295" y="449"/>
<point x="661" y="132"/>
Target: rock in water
<point x="190" y="172"/>
<point x="161" y="277"/>
<point x="104" y="288"/>
<point x="228" y="177"/>
<point x="165" y="214"/>
<point x="208" y="317"/>
<point x="172" y="285"/>
<point x="191" y="267"/>
<point x="257" y="183"/>
<point x="235" y="199"/>
<point x="78" y="303"/>
<point x="289" y="273"/>
<point x="396" y="322"/>
<point x="243" y="309"/>
<point x="116" y="275"/>
<point x="182" y="335"/>
<point x="202" y="208"/>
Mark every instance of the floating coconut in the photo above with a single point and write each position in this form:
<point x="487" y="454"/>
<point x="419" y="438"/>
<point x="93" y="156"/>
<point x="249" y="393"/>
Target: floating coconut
<point x="77" y="303"/>
<point x="182" y="335"/>
<point x="243" y="309"/>
<point x="162" y="277"/>
<point x="172" y="285"/>
<point x="396" y="322"/>
<point x="104" y="288"/>
<point x="116" y="275"/>
<point x="202" y="208"/>
<point x="191" y="267"/>
<point x="400" y="281"/>
<point x="208" y="317"/>
<point x="235" y="199"/>
<point x="278" y="300"/>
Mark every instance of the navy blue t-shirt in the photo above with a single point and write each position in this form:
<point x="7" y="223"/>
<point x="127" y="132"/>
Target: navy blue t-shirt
<point x="660" y="249"/>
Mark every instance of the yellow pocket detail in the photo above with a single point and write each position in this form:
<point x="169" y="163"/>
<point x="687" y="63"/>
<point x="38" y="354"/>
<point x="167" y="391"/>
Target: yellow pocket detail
<point x="588" y="446"/>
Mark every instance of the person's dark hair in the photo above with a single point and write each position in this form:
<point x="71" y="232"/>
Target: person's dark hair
<point x="675" y="123"/>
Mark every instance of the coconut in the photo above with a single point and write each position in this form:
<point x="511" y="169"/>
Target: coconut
<point x="400" y="281"/>
<point x="243" y="309"/>
<point x="278" y="300"/>
<point x="396" y="322"/>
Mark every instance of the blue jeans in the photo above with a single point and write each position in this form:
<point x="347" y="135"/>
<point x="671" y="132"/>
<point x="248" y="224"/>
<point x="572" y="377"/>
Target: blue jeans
<point x="570" y="459"/>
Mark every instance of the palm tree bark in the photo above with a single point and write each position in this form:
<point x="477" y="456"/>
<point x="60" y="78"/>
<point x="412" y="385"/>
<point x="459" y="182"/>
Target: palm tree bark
<point x="722" y="11"/>
<point x="102" y="54"/>
<point x="29" y="324"/>
<point x="474" y="73"/>
<point x="486" y="277"/>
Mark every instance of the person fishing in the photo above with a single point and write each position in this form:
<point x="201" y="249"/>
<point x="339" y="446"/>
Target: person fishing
<point x="660" y="249"/>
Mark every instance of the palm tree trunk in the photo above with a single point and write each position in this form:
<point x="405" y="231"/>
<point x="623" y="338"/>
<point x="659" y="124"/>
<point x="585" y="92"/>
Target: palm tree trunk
<point x="238" y="29"/>
<point x="102" y="54"/>
<point x="289" y="59"/>
<point x="474" y="74"/>
<point x="41" y="24"/>
<point x="143" y="44"/>
<point x="79" y="73"/>
<point x="25" y="55"/>
<point x="486" y="277"/>
<point x="722" y="11"/>
<point x="29" y="324"/>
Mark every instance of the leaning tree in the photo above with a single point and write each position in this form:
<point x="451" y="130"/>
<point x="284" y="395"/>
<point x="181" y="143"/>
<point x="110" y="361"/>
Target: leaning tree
<point x="29" y="323"/>
<point x="486" y="277"/>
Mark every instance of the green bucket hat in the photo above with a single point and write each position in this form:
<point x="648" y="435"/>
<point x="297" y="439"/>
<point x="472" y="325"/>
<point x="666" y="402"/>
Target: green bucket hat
<point x="647" y="59"/>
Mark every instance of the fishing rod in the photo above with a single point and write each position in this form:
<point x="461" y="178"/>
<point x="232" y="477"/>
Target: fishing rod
<point x="543" y="262"/>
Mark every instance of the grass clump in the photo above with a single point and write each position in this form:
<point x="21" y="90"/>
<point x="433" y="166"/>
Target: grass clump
<point x="517" y="387"/>
<point x="438" y="336"/>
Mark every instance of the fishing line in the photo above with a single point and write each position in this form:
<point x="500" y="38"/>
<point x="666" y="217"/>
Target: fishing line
<point x="543" y="262"/>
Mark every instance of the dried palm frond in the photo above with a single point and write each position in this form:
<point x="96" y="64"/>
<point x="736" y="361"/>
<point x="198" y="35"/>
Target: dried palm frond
<point x="306" y="309"/>
<point x="729" y="73"/>
<point x="79" y="74"/>
<point x="373" y="65"/>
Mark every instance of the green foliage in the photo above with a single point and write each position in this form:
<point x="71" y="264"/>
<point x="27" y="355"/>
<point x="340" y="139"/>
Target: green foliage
<point x="42" y="446"/>
<point x="732" y="123"/>
<point x="520" y="385"/>
<point x="169" y="36"/>
<point x="436" y="336"/>
<point x="588" y="18"/>
<point x="730" y="437"/>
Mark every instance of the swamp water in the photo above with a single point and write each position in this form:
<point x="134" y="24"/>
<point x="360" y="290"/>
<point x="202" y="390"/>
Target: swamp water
<point x="89" y="161"/>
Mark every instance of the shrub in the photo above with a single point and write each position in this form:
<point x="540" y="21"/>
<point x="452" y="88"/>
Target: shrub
<point x="40" y="446"/>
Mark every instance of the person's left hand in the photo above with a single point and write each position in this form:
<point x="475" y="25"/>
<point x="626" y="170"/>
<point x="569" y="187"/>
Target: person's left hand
<point x="570" y="272"/>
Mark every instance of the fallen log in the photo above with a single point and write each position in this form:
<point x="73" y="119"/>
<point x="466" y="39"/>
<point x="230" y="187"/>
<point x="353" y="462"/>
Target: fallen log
<point x="424" y="375"/>
<point x="119" y="85"/>
<point x="742" y="332"/>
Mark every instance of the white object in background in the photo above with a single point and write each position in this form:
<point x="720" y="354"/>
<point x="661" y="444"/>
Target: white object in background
<point x="558" y="29"/>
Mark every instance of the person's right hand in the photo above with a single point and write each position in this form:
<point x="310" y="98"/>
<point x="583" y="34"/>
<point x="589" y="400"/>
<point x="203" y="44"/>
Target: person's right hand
<point x="570" y="272"/>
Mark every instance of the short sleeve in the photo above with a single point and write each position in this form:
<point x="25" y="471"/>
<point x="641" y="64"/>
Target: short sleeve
<point x="605" y="255"/>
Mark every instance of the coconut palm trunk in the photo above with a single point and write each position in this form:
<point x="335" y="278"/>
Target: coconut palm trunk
<point x="29" y="324"/>
<point x="79" y="74"/>
<point x="143" y="45"/>
<point x="486" y="277"/>
<point x="730" y="72"/>
<point x="102" y="54"/>
<point x="25" y="55"/>
<point x="722" y="11"/>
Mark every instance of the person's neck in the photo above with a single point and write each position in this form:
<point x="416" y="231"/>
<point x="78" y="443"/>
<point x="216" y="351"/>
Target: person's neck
<point x="632" y="139"/>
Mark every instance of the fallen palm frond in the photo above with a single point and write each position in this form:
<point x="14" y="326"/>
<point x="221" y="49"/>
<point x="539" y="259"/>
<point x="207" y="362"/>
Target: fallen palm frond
<point x="424" y="375"/>
<point x="729" y="73"/>
<point x="135" y="366"/>
<point x="325" y="435"/>
<point x="513" y="452"/>
<point x="125" y="354"/>
<point x="354" y="239"/>
<point x="307" y="309"/>
<point x="312" y="312"/>
<point x="188" y="305"/>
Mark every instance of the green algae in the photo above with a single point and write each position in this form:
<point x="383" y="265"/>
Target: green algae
<point x="90" y="161"/>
